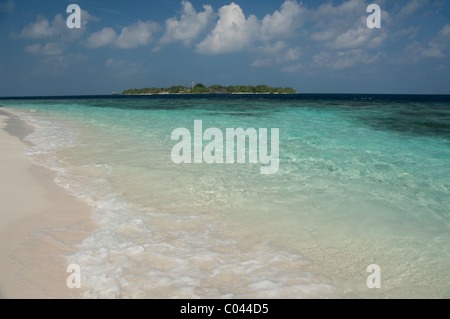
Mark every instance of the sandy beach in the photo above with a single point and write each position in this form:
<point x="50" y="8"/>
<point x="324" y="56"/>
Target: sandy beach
<point x="40" y="222"/>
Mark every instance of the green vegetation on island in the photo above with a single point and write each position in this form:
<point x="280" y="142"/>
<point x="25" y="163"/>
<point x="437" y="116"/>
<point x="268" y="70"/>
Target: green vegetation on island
<point x="214" y="89"/>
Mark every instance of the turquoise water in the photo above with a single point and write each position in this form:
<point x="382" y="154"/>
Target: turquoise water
<point x="362" y="180"/>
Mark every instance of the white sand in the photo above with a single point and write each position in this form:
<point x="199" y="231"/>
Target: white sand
<point x="39" y="223"/>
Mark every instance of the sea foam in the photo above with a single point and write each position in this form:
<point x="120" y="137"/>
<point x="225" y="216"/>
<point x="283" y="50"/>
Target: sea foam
<point x="137" y="253"/>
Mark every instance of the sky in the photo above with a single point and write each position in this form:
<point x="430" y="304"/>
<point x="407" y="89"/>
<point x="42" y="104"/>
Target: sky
<point x="313" y="46"/>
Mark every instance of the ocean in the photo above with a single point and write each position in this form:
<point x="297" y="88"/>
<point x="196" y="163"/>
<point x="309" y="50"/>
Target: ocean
<point x="362" y="180"/>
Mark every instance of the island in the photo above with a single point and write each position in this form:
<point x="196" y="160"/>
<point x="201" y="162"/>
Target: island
<point x="214" y="89"/>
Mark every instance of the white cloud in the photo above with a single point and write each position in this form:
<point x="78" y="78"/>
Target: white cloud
<point x="235" y="32"/>
<point x="138" y="34"/>
<point x="292" y="54"/>
<point x="232" y="33"/>
<point x="39" y="29"/>
<point x="358" y="38"/>
<point x="292" y="68"/>
<point x="135" y="35"/>
<point x="277" y="53"/>
<point x="328" y="13"/>
<point x="433" y="51"/>
<point x="189" y="26"/>
<point x="438" y="46"/>
<point x="445" y="31"/>
<point x="269" y="49"/>
<point x="42" y="28"/>
<point x="324" y="35"/>
<point x="328" y="21"/>
<point x="111" y="63"/>
<point x="101" y="38"/>
<point x="352" y="38"/>
<point x="343" y="27"/>
<point x="51" y="48"/>
<point x="411" y="54"/>
<point x="344" y="59"/>
<point x="55" y="32"/>
<point x="337" y="29"/>
<point x="261" y="62"/>
<point x="282" y="23"/>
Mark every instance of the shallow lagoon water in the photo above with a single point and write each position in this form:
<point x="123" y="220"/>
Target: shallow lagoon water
<point x="362" y="180"/>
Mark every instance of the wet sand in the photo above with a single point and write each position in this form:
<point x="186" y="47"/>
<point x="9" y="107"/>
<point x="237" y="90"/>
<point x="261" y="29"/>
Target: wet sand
<point x="40" y="222"/>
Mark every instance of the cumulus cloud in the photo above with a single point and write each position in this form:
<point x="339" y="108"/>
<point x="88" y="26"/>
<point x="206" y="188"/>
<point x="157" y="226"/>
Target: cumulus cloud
<point x="135" y="35"/>
<point x="232" y="33"/>
<point x="39" y="29"/>
<point x="286" y="38"/>
<point x="329" y="21"/>
<point x="101" y="38"/>
<point x="328" y="13"/>
<point x="138" y="34"/>
<point x="55" y="36"/>
<point x="334" y="27"/>
<point x="235" y="32"/>
<point x="42" y="28"/>
<point x="190" y="25"/>
<point x="282" y="23"/>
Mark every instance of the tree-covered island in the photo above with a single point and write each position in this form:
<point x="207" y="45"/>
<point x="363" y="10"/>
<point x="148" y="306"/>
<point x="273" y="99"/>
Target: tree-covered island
<point x="214" y="89"/>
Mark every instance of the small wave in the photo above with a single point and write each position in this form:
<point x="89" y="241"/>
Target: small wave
<point x="137" y="253"/>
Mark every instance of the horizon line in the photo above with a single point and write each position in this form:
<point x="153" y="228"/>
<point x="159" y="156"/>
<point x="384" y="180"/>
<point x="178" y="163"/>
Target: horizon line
<point x="114" y="94"/>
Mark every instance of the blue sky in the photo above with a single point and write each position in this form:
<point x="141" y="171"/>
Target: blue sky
<point x="312" y="46"/>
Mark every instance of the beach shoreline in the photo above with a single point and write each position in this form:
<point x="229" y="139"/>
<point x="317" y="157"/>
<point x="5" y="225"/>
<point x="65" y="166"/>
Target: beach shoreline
<point x="40" y="222"/>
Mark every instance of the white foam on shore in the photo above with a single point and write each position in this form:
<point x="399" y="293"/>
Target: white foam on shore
<point x="137" y="253"/>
